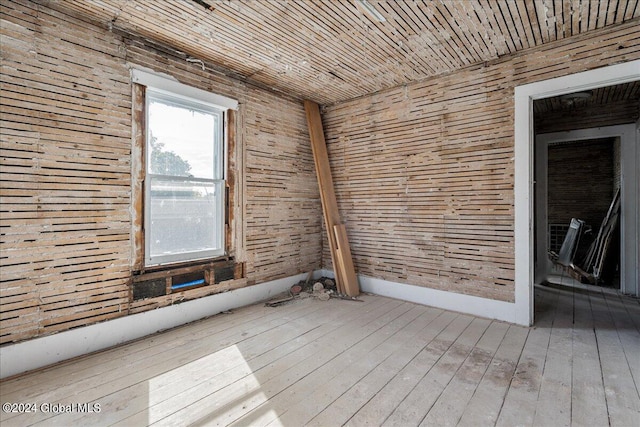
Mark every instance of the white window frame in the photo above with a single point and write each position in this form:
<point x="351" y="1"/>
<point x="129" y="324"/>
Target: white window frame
<point x="169" y="89"/>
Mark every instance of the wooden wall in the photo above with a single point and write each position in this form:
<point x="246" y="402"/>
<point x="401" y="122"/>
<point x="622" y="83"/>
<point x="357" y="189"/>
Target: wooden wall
<point x="66" y="173"/>
<point x="581" y="181"/>
<point x="281" y="198"/>
<point x="581" y="184"/>
<point x="424" y="173"/>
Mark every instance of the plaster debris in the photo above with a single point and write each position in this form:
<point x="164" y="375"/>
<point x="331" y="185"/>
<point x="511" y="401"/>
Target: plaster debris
<point x="322" y="289"/>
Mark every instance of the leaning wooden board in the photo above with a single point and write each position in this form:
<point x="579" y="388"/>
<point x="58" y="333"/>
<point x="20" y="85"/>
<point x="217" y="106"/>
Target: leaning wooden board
<point x="345" y="262"/>
<point x="345" y="275"/>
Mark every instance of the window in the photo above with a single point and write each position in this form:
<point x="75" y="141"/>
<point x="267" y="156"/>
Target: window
<point x="184" y="186"/>
<point x="184" y="172"/>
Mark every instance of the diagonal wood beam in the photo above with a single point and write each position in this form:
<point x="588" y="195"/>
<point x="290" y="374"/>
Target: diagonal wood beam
<point x="346" y="279"/>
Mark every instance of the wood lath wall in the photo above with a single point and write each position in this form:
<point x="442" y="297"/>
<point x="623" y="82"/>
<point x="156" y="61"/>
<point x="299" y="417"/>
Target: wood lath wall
<point x="424" y="173"/>
<point x="581" y="181"/>
<point x="282" y="201"/>
<point x="66" y="174"/>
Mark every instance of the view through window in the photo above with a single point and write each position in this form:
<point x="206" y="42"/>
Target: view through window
<point x="184" y="187"/>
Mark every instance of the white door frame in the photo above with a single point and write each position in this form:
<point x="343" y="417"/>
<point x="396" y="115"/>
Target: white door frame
<point x="523" y="164"/>
<point x="629" y="197"/>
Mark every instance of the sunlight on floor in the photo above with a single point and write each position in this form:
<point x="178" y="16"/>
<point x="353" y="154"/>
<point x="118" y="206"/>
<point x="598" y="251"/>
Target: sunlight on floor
<point x="217" y="388"/>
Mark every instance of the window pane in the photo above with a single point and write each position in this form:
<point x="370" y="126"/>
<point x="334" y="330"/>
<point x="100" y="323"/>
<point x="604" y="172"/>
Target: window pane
<point x="183" y="139"/>
<point x="185" y="218"/>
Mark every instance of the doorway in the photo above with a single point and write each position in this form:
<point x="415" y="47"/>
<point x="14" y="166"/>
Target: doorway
<point x="577" y="212"/>
<point x="525" y="219"/>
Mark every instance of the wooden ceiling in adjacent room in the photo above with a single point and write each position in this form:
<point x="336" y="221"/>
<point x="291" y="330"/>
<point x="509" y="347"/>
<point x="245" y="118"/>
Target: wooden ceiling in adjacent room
<point x="333" y="50"/>
<point x="598" y="98"/>
<point x="604" y="106"/>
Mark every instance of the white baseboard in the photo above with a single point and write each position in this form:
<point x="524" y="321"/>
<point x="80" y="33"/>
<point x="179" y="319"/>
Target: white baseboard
<point x="467" y="304"/>
<point x="39" y="352"/>
<point x="482" y="307"/>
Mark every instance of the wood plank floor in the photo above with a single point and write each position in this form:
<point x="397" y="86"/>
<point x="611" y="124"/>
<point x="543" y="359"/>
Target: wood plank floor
<point x="377" y="362"/>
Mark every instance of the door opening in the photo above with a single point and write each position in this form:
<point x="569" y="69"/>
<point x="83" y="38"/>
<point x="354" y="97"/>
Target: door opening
<point x="525" y="220"/>
<point x="579" y="194"/>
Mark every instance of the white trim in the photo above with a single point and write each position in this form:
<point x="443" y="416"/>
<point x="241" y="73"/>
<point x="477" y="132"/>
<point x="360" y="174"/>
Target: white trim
<point x="636" y="279"/>
<point x="327" y="273"/>
<point x="468" y="304"/>
<point x="217" y="147"/>
<point x="543" y="264"/>
<point x="523" y="162"/>
<point x="169" y="84"/>
<point x="39" y="352"/>
<point x="523" y="207"/>
<point x="600" y="77"/>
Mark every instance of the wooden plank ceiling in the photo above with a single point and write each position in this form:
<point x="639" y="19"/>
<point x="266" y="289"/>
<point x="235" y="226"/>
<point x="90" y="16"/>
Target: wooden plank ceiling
<point x="604" y="106"/>
<point x="333" y="50"/>
<point x="599" y="97"/>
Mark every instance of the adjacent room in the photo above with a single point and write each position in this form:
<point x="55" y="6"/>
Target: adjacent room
<point x="320" y="212"/>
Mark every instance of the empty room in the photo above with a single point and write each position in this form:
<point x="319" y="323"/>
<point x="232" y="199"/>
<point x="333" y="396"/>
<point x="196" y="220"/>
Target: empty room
<point x="320" y="212"/>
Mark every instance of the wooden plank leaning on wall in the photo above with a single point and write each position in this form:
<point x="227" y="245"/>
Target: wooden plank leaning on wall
<point x="346" y="279"/>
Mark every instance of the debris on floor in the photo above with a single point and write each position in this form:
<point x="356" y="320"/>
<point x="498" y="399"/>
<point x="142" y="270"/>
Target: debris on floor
<point x="322" y="289"/>
<point x="346" y="297"/>
<point x="323" y="296"/>
<point x="279" y="301"/>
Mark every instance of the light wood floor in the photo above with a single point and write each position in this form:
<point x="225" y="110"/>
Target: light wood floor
<point x="378" y="362"/>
